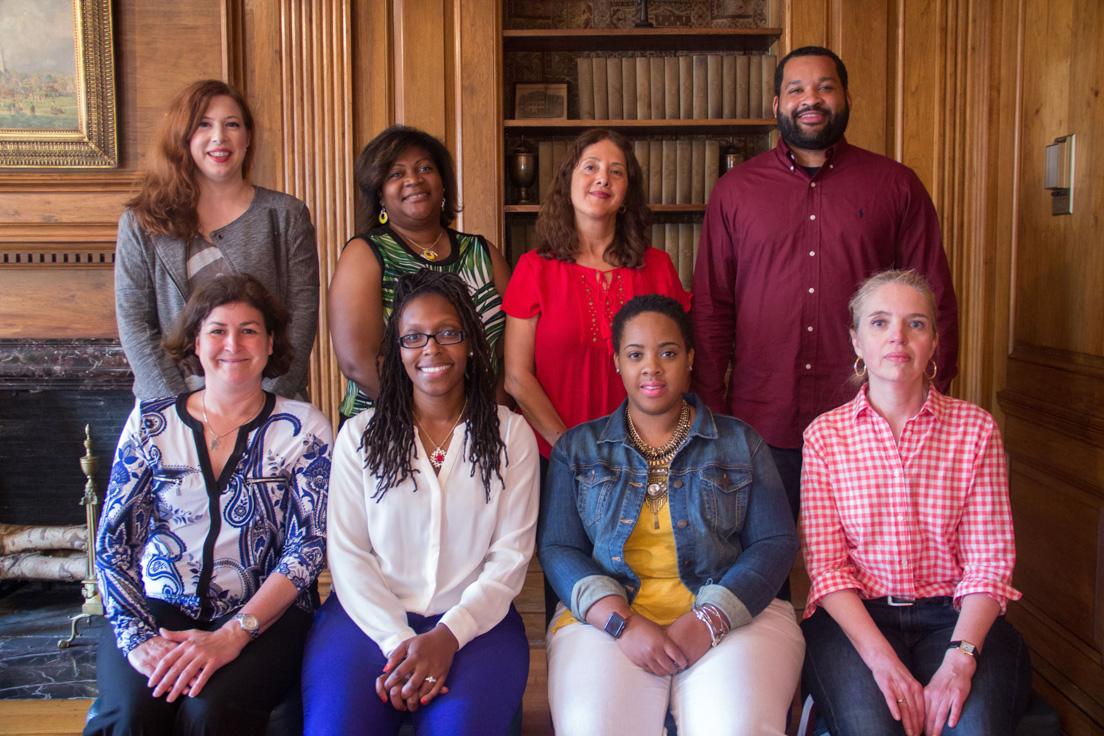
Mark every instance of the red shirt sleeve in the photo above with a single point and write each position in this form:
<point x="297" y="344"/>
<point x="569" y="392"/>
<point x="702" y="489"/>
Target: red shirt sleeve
<point x="522" y="298"/>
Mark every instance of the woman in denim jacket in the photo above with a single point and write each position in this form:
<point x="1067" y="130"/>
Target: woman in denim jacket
<point x="666" y="531"/>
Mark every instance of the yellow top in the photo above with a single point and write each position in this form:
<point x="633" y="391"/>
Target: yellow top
<point x="650" y="552"/>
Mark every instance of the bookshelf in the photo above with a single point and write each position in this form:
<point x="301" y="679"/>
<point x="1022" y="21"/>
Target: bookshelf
<point x="550" y="55"/>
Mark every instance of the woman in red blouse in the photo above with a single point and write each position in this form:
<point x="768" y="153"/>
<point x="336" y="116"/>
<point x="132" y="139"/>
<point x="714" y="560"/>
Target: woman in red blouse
<point x="907" y="534"/>
<point x="595" y="255"/>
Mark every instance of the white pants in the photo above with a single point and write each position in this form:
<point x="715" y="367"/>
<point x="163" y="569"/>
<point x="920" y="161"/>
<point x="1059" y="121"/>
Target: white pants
<point x="743" y="686"/>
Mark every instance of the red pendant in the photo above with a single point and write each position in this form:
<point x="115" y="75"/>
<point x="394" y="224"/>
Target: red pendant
<point x="437" y="458"/>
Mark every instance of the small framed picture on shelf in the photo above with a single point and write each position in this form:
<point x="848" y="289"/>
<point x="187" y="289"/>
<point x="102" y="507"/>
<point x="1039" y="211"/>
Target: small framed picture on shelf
<point x="540" y="101"/>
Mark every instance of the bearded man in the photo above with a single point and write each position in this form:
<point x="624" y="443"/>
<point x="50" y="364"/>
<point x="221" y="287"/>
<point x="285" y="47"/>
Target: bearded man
<point x="786" y="239"/>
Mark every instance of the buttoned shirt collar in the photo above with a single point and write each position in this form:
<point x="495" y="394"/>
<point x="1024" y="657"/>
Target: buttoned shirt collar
<point x="934" y="404"/>
<point x="832" y="154"/>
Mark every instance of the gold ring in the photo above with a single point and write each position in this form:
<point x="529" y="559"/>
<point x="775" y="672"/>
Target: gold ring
<point x="900" y="700"/>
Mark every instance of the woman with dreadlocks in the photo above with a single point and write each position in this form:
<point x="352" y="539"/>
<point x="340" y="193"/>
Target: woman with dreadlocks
<point x="432" y="518"/>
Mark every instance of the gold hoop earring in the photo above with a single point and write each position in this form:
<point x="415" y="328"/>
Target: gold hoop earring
<point x="855" y="367"/>
<point x="934" y="370"/>
<point x="383" y="215"/>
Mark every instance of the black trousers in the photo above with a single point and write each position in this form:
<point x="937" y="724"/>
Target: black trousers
<point x="236" y="701"/>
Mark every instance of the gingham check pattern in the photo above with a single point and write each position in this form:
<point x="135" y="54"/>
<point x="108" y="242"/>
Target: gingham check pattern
<point x="926" y="517"/>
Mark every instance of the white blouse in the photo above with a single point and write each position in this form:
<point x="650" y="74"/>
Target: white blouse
<point x="434" y="544"/>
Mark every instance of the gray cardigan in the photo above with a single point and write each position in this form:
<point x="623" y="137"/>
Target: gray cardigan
<point x="273" y="240"/>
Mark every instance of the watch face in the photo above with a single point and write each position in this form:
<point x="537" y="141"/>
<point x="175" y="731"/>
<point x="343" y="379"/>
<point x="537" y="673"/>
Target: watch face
<point x="615" y="626"/>
<point x="248" y="621"/>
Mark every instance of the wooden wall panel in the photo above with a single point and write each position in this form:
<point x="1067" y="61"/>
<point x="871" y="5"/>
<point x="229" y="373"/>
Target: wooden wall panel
<point x="1053" y="382"/>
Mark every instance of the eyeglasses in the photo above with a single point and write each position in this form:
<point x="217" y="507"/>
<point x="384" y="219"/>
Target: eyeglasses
<point x="421" y="339"/>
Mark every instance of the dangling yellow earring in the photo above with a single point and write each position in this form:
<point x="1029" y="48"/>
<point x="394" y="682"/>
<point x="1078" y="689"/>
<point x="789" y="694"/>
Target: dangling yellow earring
<point x="383" y="215"/>
<point x="859" y="374"/>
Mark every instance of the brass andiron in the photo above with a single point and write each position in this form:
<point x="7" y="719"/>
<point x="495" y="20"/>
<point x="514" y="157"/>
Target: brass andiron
<point x="90" y="589"/>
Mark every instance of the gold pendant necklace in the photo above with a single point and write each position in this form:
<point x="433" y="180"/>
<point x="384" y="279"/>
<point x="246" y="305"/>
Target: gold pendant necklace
<point x="659" y="459"/>
<point x="437" y="456"/>
<point x="428" y="251"/>
<point x="217" y="439"/>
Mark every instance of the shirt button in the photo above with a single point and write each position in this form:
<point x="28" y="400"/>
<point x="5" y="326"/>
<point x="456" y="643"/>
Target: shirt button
<point x="812" y="183"/>
<point x="682" y="523"/>
<point x="809" y="328"/>
<point x="812" y="253"/>
<point x="677" y="484"/>
<point x="811" y="290"/>
<point x="812" y="217"/>
<point x="808" y="366"/>
<point x="791" y="168"/>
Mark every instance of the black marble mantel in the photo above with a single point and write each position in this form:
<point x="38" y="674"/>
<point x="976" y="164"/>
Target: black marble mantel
<point x="49" y="390"/>
<point x="83" y="365"/>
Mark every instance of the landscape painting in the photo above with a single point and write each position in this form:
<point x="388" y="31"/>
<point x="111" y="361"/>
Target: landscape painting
<point x="57" y="84"/>
<point x="38" y="65"/>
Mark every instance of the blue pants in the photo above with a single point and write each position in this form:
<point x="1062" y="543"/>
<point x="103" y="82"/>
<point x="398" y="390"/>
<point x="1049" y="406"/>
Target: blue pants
<point x="848" y="698"/>
<point x="341" y="664"/>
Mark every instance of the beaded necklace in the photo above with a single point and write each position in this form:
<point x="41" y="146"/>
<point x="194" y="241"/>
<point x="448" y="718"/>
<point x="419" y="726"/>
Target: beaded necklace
<point x="659" y="459"/>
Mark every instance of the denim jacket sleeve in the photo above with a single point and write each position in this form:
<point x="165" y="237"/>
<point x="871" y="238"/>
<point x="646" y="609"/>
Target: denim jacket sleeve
<point x="768" y="540"/>
<point x="563" y="546"/>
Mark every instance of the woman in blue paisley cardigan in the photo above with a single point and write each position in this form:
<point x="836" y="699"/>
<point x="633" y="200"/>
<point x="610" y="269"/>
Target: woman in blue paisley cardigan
<point x="212" y="531"/>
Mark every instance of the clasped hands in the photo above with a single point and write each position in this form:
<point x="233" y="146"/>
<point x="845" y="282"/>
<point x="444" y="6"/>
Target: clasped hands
<point x="926" y="709"/>
<point x="665" y="650"/>
<point x="415" y="672"/>
<point x="181" y="662"/>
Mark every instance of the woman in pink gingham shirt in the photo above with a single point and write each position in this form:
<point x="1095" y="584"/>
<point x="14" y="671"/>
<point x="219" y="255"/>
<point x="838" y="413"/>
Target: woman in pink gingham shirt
<point x="907" y="534"/>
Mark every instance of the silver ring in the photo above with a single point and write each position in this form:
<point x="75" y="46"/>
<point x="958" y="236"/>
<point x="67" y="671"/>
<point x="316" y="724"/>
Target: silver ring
<point x="431" y="680"/>
<point x="900" y="700"/>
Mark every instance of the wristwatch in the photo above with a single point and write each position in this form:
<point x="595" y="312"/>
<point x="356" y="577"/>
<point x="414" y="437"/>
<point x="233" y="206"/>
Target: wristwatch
<point x="966" y="648"/>
<point x="249" y="624"/>
<point x="615" y="626"/>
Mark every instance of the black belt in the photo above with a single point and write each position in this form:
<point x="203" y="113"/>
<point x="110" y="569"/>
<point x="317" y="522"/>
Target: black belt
<point x="899" y="601"/>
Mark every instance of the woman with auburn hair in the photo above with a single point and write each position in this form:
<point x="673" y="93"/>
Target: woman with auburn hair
<point x="907" y="531"/>
<point x="197" y="216"/>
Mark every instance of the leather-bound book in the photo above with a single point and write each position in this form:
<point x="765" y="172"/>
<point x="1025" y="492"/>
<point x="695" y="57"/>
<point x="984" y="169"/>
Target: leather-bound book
<point x="613" y="87"/>
<point x="697" y="172"/>
<point x="670" y="88"/>
<point x="686" y="87"/>
<point x="701" y="86"/>
<point x="655" y="171"/>
<point x="683" y="164"/>
<point x="728" y="86"/>
<point x="742" y="84"/>
<point x="769" y="64"/>
<point x="755" y="86"/>
<point x="586" y="87"/>
<point x="713" y="102"/>
<point x="643" y="88"/>
<point x="685" y="262"/>
<point x="641" y="150"/>
<point x="712" y="165"/>
<point x="628" y="87"/>
<point x="546" y="167"/>
<point x="655" y="67"/>
<point x="601" y="91"/>
<point x="670" y="172"/>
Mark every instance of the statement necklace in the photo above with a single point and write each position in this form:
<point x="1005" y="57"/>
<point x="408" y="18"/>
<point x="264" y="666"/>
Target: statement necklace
<point x="659" y="459"/>
<point x="428" y="251"/>
<point x="217" y="439"/>
<point x="437" y="457"/>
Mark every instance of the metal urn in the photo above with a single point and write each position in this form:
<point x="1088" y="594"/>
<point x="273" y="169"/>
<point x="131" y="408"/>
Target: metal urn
<point x="522" y="169"/>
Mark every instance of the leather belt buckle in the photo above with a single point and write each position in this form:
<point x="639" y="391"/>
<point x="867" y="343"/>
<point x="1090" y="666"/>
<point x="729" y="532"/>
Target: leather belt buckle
<point x="894" y="600"/>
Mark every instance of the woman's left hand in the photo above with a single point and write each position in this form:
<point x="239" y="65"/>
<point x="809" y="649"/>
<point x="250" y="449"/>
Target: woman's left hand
<point x="188" y="667"/>
<point x="691" y="636"/>
<point x="945" y="695"/>
<point x="404" y="680"/>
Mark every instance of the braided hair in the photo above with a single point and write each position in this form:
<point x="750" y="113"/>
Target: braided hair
<point x="388" y="440"/>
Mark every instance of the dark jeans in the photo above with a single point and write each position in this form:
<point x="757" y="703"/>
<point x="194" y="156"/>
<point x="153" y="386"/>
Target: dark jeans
<point x="486" y="681"/>
<point x="788" y="462"/>
<point x="848" y="698"/>
<point x="236" y="701"/>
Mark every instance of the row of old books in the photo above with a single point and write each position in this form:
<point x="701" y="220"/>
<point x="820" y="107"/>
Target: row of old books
<point x="675" y="171"/>
<point x="698" y="87"/>
<point x="679" y="239"/>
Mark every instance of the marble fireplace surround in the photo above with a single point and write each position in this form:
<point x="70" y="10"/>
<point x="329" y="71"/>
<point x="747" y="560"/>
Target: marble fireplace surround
<point x="49" y="390"/>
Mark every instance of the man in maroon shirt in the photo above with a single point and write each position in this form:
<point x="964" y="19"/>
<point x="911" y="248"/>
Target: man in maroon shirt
<point x="787" y="238"/>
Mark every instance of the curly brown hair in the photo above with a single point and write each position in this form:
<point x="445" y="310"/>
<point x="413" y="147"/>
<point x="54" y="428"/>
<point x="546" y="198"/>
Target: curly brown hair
<point x="374" y="163"/>
<point x="168" y="194"/>
<point x="179" y="343"/>
<point x="556" y="221"/>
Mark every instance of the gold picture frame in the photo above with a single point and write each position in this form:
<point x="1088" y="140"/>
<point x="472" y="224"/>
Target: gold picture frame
<point x="48" y="118"/>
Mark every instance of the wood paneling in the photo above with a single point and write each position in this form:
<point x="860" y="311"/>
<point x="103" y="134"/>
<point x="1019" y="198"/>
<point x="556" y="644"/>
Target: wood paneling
<point x="1053" y="379"/>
